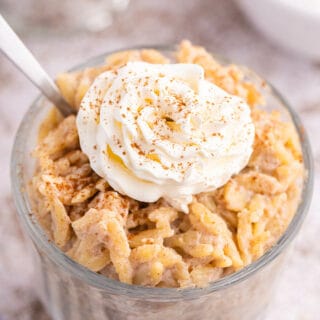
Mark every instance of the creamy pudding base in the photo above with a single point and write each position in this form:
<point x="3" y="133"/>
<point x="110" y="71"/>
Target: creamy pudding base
<point x="155" y="244"/>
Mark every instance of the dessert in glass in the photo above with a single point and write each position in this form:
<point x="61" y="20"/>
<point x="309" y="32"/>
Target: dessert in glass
<point x="172" y="191"/>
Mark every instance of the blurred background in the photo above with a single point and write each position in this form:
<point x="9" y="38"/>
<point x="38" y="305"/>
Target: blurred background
<point x="276" y="38"/>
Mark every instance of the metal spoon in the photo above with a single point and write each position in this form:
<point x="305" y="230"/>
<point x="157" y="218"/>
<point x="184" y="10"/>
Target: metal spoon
<point x="17" y="52"/>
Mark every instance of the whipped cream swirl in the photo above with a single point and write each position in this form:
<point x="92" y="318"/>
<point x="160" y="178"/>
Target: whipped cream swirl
<point x="157" y="131"/>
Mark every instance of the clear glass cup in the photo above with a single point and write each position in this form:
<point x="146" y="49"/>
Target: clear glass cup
<point x="70" y="291"/>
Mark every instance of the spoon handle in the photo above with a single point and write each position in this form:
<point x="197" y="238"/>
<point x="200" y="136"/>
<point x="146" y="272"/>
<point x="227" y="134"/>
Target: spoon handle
<point x="17" y="52"/>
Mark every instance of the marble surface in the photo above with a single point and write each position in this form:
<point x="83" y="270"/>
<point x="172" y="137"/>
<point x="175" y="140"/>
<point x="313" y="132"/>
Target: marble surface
<point x="217" y="25"/>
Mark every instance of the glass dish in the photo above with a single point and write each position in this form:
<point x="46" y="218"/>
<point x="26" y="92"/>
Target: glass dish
<point x="70" y="291"/>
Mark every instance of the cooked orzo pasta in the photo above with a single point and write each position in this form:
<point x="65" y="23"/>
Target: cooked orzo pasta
<point x="154" y="244"/>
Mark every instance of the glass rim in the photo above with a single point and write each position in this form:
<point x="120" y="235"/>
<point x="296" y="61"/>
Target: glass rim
<point x="104" y="283"/>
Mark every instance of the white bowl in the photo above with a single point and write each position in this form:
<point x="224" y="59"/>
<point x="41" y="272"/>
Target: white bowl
<point x="293" y="24"/>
